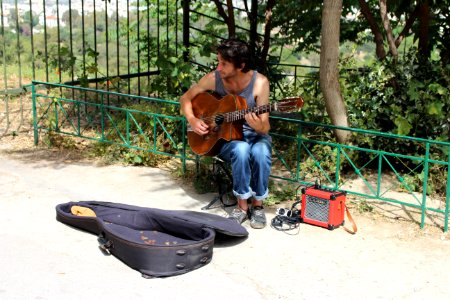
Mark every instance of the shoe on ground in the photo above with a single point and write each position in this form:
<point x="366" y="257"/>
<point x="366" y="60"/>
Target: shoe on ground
<point x="238" y="215"/>
<point x="258" y="217"/>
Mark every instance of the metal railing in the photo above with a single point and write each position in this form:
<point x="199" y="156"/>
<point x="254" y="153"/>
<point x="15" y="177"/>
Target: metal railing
<point x="85" y="113"/>
<point x="408" y="185"/>
<point x="82" y="42"/>
<point x="301" y="154"/>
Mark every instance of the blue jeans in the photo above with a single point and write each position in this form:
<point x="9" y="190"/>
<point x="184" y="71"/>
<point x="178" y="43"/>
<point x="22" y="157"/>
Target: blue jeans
<point x="250" y="161"/>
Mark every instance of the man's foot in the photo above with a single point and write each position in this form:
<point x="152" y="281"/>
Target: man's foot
<point x="258" y="217"/>
<point x="238" y="215"/>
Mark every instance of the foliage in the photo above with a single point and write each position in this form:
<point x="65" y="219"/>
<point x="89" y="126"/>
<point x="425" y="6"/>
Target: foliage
<point x="279" y="192"/>
<point x="176" y="75"/>
<point x="202" y="180"/>
<point x="297" y="23"/>
<point x="113" y="153"/>
<point x="58" y="58"/>
<point x="363" y="206"/>
<point x="144" y="132"/>
<point x="404" y="98"/>
<point x="55" y="140"/>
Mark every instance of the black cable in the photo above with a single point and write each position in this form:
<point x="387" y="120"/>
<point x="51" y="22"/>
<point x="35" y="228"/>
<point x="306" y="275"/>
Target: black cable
<point x="290" y="219"/>
<point x="281" y="223"/>
<point x="287" y="222"/>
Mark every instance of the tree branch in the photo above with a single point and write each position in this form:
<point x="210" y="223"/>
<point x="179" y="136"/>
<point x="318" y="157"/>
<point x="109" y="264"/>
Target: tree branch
<point x="221" y="11"/>
<point x="246" y="9"/>
<point x="378" y="36"/>
<point x="387" y="27"/>
<point x="409" y="22"/>
<point x="267" y="28"/>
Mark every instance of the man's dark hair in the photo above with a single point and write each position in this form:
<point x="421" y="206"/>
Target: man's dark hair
<point x="237" y="52"/>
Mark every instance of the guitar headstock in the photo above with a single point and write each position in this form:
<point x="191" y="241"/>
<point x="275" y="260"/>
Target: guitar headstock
<point x="289" y="104"/>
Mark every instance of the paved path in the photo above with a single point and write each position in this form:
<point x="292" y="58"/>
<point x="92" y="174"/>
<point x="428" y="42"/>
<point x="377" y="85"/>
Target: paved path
<point x="41" y="258"/>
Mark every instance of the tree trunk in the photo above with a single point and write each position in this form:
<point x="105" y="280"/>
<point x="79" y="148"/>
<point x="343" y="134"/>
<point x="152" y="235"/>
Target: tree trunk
<point x="231" y="24"/>
<point x="253" y="19"/>
<point x="329" y="73"/>
<point x="424" y="20"/>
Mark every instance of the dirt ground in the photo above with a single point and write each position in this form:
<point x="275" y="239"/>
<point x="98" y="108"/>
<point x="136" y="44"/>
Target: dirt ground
<point x="389" y="257"/>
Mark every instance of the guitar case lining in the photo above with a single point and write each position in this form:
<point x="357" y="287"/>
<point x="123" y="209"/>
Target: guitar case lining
<point x="155" y="242"/>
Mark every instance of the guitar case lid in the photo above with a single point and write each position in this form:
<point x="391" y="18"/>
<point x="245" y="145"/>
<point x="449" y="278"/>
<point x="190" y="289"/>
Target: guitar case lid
<point x="156" y="242"/>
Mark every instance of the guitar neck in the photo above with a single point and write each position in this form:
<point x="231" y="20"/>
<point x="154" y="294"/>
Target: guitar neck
<point x="240" y="114"/>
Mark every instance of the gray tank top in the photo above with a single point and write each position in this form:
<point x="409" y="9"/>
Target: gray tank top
<point x="246" y="93"/>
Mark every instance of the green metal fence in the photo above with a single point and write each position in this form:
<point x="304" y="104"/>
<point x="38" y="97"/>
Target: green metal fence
<point x="303" y="151"/>
<point x="94" y="114"/>
<point x="387" y="176"/>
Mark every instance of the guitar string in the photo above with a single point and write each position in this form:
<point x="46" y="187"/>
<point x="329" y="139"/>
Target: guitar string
<point x="240" y="113"/>
<point x="236" y="115"/>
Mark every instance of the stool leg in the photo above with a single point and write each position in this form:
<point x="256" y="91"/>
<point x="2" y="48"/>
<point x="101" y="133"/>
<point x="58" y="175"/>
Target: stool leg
<point x="219" y="171"/>
<point x="208" y="206"/>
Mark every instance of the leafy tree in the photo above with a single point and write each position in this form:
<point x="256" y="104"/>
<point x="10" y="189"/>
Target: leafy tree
<point x="71" y="17"/>
<point x="389" y="22"/>
<point x="13" y="18"/>
<point x="259" y="47"/>
<point x="31" y="18"/>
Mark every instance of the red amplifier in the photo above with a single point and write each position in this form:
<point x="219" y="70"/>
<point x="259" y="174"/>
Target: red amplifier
<point x="323" y="207"/>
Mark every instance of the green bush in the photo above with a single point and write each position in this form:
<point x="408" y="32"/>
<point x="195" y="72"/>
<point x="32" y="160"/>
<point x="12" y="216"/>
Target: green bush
<point x="404" y="97"/>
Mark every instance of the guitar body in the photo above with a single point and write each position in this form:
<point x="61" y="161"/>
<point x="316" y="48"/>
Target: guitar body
<point x="210" y="109"/>
<point x="225" y="118"/>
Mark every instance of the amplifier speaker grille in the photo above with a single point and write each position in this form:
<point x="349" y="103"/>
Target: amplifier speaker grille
<point x="317" y="209"/>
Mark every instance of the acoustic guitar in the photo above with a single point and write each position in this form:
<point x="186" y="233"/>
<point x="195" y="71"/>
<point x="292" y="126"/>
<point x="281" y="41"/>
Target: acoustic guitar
<point x="225" y="118"/>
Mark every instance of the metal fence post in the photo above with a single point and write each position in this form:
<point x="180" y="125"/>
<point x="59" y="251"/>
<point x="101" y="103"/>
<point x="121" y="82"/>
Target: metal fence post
<point x="33" y="100"/>
<point x="447" y="196"/>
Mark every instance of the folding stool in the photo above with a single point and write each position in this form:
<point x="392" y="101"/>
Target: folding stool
<point x="224" y="181"/>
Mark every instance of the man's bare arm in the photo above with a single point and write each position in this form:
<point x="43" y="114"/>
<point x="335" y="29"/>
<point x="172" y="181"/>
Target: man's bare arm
<point x="260" y="123"/>
<point x="206" y="83"/>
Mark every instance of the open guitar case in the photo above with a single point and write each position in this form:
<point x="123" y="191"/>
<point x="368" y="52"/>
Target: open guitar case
<point x="155" y="242"/>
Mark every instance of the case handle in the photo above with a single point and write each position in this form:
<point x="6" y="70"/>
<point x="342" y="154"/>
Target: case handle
<point x="105" y="245"/>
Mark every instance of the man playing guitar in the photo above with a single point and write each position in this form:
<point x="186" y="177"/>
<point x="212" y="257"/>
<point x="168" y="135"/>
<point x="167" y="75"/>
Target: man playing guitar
<point x="250" y="158"/>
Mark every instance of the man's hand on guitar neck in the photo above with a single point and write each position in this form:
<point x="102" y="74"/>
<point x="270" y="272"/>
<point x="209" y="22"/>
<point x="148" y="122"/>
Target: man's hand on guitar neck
<point x="257" y="123"/>
<point x="198" y="126"/>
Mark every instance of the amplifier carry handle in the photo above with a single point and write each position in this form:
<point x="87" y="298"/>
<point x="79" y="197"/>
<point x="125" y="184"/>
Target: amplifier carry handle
<point x="352" y="222"/>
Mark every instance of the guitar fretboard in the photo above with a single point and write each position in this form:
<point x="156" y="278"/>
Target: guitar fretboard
<point x="240" y="114"/>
